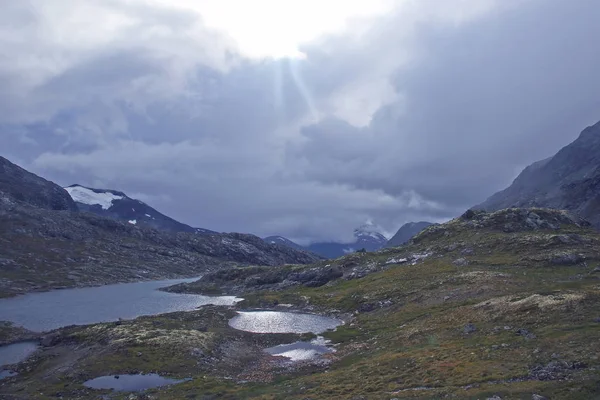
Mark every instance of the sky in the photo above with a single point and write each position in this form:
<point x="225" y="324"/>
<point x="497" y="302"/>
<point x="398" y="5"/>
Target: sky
<point x="299" y="118"/>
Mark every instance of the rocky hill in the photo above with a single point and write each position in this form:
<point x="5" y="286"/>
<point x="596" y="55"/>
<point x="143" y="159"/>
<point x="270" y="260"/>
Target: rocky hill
<point x="46" y="244"/>
<point x="406" y="232"/>
<point x="569" y="180"/>
<point x="117" y="205"/>
<point x="502" y="305"/>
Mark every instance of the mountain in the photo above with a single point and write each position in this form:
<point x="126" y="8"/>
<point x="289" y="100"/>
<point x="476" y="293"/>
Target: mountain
<point x="283" y="241"/>
<point x="117" y="205"/>
<point x="406" y="232"/>
<point x="366" y="237"/>
<point x="569" y="180"/>
<point x="46" y="243"/>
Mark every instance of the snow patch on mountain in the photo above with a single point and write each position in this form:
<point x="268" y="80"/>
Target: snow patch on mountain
<point x="86" y="196"/>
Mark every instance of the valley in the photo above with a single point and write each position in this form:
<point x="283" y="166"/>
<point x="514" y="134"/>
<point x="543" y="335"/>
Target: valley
<point x="503" y="304"/>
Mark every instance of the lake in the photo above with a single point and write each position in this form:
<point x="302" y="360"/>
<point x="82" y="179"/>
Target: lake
<point x="50" y="310"/>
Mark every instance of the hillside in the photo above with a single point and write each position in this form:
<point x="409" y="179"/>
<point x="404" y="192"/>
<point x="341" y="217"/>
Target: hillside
<point x="569" y="180"/>
<point x="46" y="244"/>
<point x="283" y="241"/>
<point x="500" y="305"/>
<point x="17" y="184"/>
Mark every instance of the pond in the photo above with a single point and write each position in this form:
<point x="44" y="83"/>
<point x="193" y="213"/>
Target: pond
<point x="131" y="383"/>
<point x="16" y="352"/>
<point x="301" y="351"/>
<point x="282" y="322"/>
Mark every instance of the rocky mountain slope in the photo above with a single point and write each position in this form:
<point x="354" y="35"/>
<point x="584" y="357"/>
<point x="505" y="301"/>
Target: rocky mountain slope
<point x="117" y="205"/>
<point x="569" y="180"/>
<point x="17" y="184"/>
<point x="283" y="241"/>
<point x="406" y="232"/>
<point x="502" y="305"/>
<point x="46" y="244"/>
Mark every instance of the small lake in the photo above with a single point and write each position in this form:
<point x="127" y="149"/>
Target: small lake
<point x="282" y="322"/>
<point x="16" y="352"/>
<point x="50" y="310"/>
<point x="131" y="383"/>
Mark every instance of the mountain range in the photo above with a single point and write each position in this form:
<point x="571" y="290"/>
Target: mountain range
<point x="46" y="242"/>
<point x="569" y="180"/>
<point x="365" y="237"/>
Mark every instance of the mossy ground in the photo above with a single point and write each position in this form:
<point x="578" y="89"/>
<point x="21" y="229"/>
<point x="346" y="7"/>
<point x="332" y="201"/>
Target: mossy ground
<point x="406" y="338"/>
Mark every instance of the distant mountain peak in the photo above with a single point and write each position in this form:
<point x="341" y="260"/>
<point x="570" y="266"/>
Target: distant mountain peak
<point x="369" y="231"/>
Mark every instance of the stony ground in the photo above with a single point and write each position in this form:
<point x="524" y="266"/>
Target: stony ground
<point x="499" y="306"/>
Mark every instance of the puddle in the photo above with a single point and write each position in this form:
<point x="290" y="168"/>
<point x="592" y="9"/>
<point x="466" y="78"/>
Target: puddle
<point x="16" y="352"/>
<point x="131" y="383"/>
<point x="282" y="322"/>
<point x="6" y="374"/>
<point x="301" y="351"/>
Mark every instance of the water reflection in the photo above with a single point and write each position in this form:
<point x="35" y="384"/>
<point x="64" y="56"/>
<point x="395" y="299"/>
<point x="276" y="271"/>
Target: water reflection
<point x="16" y="352"/>
<point x="301" y="351"/>
<point x="131" y="383"/>
<point x="58" y="308"/>
<point x="282" y="322"/>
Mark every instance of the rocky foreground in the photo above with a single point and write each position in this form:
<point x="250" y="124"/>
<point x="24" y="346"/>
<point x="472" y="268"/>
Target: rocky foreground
<point x="502" y="305"/>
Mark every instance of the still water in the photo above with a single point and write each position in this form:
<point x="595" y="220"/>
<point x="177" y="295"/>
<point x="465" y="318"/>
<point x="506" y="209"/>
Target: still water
<point x="58" y="308"/>
<point x="282" y="322"/>
<point x="16" y="352"/>
<point x="131" y="383"/>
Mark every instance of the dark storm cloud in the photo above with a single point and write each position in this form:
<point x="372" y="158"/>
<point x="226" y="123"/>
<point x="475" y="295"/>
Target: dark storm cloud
<point x="458" y="102"/>
<point x="481" y="102"/>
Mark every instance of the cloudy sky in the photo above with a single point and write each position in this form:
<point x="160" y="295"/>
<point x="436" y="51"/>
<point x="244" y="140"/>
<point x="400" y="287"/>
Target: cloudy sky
<point x="303" y="118"/>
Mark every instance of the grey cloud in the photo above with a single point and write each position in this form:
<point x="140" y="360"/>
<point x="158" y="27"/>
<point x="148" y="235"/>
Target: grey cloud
<point x="480" y="102"/>
<point x="231" y="144"/>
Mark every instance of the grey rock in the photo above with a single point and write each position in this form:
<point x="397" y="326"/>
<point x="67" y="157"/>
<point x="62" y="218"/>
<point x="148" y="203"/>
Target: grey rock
<point x="555" y="370"/>
<point x="538" y="397"/>
<point x="567" y="259"/>
<point x="50" y="340"/>
<point x="469" y="328"/>
<point x="525" y="333"/>
<point x="460" y="262"/>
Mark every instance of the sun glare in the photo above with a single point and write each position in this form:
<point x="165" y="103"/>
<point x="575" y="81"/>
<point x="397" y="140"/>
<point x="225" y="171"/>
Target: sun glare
<point x="277" y="28"/>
